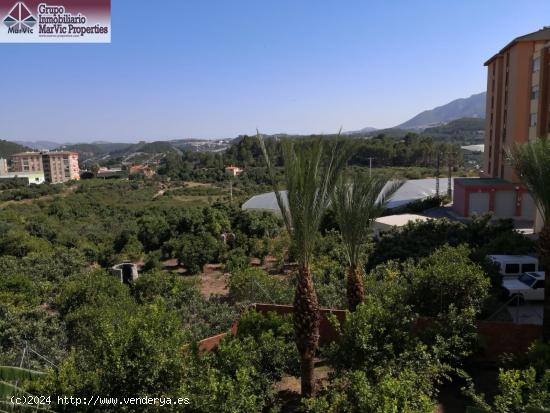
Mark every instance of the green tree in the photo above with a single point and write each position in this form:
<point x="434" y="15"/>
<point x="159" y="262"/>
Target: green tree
<point x="309" y="178"/>
<point x="194" y="251"/>
<point x="356" y="203"/>
<point x="531" y="160"/>
<point x="447" y="278"/>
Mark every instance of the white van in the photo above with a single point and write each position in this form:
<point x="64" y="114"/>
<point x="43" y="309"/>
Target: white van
<point x="514" y="265"/>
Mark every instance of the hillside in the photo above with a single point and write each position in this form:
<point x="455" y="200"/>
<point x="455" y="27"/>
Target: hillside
<point x="472" y="107"/>
<point x="94" y="149"/>
<point x="146" y="147"/>
<point x="464" y="131"/>
<point x="8" y="148"/>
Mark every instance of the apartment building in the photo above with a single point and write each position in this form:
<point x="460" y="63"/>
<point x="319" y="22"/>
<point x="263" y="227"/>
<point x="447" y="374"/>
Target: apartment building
<point x="27" y="162"/>
<point x="57" y="166"/>
<point x="60" y="166"/>
<point x="517" y="110"/>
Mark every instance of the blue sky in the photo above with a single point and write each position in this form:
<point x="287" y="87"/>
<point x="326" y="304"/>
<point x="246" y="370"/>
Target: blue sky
<point x="204" y="68"/>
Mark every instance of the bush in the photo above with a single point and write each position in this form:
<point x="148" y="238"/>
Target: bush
<point x="236" y="260"/>
<point x="447" y="277"/>
<point x="406" y="391"/>
<point x="419" y="239"/>
<point x="200" y="317"/>
<point x="194" y="251"/>
<point x="376" y="333"/>
<point x="254" y="285"/>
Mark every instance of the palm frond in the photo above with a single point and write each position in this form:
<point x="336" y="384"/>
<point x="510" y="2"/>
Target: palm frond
<point x="22" y="407"/>
<point x="10" y="373"/>
<point x="531" y="161"/>
<point x="9" y="389"/>
<point x="357" y="201"/>
<point x="311" y="172"/>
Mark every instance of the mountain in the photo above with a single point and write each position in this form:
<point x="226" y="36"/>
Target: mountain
<point x="8" y="148"/>
<point x="472" y="107"/>
<point x="368" y="129"/>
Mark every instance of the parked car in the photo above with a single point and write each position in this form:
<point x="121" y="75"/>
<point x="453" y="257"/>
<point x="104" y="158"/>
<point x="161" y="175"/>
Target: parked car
<point x="528" y="286"/>
<point x="514" y="265"/>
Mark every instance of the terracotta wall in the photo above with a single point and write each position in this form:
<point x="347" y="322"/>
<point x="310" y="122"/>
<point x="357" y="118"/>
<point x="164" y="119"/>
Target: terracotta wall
<point x="496" y="338"/>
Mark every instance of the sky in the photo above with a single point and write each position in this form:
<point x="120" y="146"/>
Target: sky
<point x="216" y="69"/>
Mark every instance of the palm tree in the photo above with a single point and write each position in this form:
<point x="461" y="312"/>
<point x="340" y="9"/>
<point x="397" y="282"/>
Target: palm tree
<point x="356" y="203"/>
<point x="531" y="161"/>
<point x="309" y="178"/>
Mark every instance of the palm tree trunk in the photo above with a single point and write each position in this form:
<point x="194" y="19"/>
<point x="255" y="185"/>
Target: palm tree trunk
<point x="544" y="252"/>
<point x="355" y="288"/>
<point x="306" y="328"/>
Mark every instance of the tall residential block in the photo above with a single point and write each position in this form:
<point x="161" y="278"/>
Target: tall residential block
<point x="57" y="166"/>
<point x="517" y="110"/>
<point x="518" y="105"/>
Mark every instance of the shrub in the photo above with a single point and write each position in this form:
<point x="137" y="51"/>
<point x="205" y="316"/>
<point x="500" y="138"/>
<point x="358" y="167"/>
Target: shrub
<point x="194" y="251"/>
<point x="405" y="391"/>
<point x="254" y="285"/>
<point x="447" y="277"/>
<point x="374" y="334"/>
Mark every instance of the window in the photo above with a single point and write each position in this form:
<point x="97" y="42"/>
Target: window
<point x="528" y="267"/>
<point x="534" y="92"/>
<point x="533" y="120"/>
<point x="527" y="279"/>
<point x="536" y="64"/>
<point x="511" y="268"/>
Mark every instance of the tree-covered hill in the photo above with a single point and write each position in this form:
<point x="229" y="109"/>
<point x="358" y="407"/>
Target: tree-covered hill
<point x="8" y="148"/>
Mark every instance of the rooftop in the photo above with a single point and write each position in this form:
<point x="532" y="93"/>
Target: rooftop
<point x="400" y="220"/>
<point x="482" y="181"/>
<point x="542" y="34"/>
<point x="412" y="190"/>
<point x="37" y="153"/>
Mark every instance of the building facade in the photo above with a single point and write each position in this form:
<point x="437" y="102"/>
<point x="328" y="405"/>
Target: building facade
<point x="57" y="166"/>
<point x="233" y="170"/>
<point x="60" y="166"/>
<point x="27" y="162"/>
<point x="517" y="110"/>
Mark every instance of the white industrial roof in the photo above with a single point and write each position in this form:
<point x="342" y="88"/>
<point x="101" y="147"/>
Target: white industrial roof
<point x="474" y="148"/>
<point x="399" y="220"/>
<point x="412" y="190"/>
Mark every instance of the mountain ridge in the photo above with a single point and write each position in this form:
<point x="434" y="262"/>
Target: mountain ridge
<point x="470" y="107"/>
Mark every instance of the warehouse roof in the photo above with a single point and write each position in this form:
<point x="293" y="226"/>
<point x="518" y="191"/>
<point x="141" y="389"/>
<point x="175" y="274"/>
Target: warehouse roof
<point x="412" y="190"/>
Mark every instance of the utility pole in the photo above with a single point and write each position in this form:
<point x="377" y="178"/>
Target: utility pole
<point x="231" y="191"/>
<point x="438" y="160"/>
<point x="450" y="174"/>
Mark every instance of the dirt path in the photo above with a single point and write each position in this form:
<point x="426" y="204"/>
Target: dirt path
<point x="213" y="281"/>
